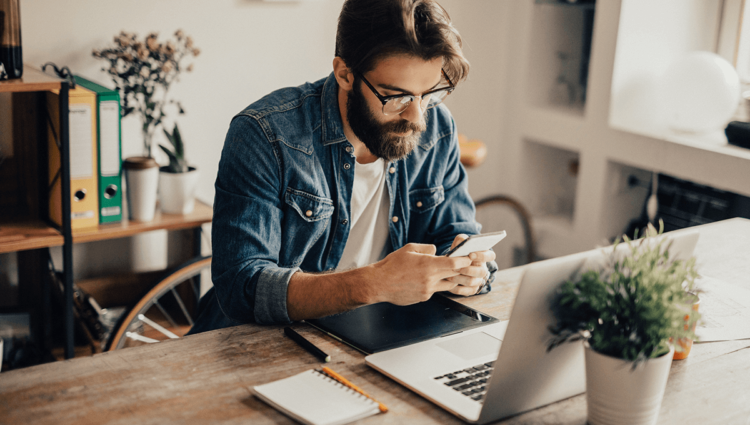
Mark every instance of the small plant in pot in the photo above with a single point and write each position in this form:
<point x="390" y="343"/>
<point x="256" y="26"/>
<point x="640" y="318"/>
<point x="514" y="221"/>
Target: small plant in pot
<point x="628" y="311"/>
<point x="177" y="181"/>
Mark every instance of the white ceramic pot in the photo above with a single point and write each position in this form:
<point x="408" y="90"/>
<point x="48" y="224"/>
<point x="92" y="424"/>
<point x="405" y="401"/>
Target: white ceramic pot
<point x="142" y="182"/>
<point x="177" y="191"/>
<point x="617" y="394"/>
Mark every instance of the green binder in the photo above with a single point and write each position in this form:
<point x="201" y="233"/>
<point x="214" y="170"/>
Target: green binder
<point x="110" y="150"/>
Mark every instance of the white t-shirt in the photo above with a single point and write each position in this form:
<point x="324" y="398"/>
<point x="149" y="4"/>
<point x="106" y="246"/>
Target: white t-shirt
<point x="368" y="231"/>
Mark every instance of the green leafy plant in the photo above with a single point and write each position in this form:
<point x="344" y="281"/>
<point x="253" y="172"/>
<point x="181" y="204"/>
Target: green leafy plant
<point x="176" y="154"/>
<point x="143" y="70"/>
<point x="634" y="307"/>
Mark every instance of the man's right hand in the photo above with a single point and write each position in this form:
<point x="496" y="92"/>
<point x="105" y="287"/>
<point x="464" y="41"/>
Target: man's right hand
<point x="412" y="274"/>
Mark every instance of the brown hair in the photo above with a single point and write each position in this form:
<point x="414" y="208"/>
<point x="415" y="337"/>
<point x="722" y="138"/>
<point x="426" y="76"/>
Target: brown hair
<point x="371" y="30"/>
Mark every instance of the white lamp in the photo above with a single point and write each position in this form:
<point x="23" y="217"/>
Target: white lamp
<point x="700" y="93"/>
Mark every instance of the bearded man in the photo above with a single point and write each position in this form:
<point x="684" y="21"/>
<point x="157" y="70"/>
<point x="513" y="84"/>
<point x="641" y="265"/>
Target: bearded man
<point x="348" y="191"/>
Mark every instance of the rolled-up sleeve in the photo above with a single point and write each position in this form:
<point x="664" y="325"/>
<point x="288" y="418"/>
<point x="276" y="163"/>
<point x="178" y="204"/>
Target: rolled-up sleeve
<point x="249" y="284"/>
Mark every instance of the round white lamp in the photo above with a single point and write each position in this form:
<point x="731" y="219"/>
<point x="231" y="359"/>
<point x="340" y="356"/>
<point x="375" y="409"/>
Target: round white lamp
<point x="701" y="92"/>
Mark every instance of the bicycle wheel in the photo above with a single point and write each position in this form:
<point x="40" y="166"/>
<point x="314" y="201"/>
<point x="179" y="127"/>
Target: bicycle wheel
<point x="500" y="212"/>
<point x="166" y="311"/>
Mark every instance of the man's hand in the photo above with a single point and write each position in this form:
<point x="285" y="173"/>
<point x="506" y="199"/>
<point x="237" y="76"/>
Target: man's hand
<point x="413" y="273"/>
<point x="407" y="276"/>
<point x="471" y="278"/>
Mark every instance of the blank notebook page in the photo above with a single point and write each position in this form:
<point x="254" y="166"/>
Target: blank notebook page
<point x="314" y="398"/>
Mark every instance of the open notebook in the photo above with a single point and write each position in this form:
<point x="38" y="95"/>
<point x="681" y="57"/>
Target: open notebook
<point x="312" y="397"/>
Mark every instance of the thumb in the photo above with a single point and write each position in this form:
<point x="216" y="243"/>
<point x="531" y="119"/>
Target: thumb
<point x="458" y="239"/>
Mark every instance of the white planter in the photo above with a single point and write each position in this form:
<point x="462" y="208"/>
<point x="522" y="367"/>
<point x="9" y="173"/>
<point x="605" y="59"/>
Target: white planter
<point x="617" y="394"/>
<point x="141" y="180"/>
<point x="177" y="191"/>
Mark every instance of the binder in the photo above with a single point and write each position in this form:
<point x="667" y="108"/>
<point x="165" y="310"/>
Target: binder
<point x="109" y="146"/>
<point x="84" y="204"/>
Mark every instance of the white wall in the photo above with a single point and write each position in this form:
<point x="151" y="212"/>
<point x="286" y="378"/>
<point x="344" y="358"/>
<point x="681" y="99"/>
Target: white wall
<point x="249" y="48"/>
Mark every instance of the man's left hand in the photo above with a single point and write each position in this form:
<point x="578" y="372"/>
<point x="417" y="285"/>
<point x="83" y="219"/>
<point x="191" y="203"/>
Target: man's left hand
<point x="471" y="279"/>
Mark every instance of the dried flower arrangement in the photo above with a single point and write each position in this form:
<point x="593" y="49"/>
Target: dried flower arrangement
<point x="143" y="70"/>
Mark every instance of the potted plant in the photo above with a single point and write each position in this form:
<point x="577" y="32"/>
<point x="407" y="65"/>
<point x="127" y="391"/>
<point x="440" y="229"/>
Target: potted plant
<point x="143" y="71"/>
<point x="628" y="312"/>
<point x="177" y="181"/>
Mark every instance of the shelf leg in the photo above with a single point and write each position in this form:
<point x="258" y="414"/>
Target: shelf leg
<point x="67" y="233"/>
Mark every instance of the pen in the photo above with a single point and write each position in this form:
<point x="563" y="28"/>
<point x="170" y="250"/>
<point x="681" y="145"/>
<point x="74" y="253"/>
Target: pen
<point x="307" y="345"/>
<point x="346" y="382"/>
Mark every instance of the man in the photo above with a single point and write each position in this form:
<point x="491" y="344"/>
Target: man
<point x="318" y="183"/>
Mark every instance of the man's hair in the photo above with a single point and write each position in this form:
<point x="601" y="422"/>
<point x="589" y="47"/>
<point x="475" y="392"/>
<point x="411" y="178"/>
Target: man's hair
<point x="372" y="30"/>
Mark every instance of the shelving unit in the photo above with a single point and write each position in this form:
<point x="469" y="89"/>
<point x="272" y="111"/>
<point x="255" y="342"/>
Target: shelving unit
<point x="544" y="133"/>
<point x="24" y="224"/>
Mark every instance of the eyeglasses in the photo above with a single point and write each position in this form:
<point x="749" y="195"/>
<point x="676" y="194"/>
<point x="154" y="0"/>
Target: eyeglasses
<point x="396" y="104"/>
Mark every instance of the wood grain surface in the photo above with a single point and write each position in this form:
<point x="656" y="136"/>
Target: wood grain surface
<point x="206" y="378"/>
<point x="201" y="214"/>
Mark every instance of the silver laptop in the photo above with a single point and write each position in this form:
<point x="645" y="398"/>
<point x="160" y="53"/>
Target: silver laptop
<point x="488" y="373"/>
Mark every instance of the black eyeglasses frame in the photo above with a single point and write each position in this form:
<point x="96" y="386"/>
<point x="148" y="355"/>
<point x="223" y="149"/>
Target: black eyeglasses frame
<point x="385" y="99"/>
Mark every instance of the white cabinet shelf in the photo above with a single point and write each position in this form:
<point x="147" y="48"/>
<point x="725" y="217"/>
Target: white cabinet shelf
<point x="543" y="135"/>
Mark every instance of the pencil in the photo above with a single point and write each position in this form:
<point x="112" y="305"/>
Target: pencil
<point x="346" y="382"/>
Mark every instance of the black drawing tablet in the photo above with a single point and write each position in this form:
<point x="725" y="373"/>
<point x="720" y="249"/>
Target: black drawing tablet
<point x="379" y="327"/>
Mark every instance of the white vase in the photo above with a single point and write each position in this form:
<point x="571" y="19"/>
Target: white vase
<point x="617" y="394"/>
<point x="177" y="191"/>
<point x="141" y="180"/>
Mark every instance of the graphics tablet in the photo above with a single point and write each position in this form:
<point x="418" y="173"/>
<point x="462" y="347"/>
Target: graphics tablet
<point x="383" y="326"/>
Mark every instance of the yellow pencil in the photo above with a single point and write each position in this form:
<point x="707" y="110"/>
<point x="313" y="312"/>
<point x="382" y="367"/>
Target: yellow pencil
<point x="346" y="382"/>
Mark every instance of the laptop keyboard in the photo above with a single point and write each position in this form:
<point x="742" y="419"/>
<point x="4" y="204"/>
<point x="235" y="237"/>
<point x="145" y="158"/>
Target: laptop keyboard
<point x="471" y="382"/>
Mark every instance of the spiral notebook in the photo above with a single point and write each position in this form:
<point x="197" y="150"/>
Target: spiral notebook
<point x="312" y="397"/>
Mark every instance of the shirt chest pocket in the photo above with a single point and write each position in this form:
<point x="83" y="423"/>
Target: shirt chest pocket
<point x="423" y="200"/>
<point x="306" y="219"/>
<point x="311" y="208"/>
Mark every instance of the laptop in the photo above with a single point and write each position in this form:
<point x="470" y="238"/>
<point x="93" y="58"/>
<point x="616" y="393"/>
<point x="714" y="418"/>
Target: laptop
<point x="502" y="369"/>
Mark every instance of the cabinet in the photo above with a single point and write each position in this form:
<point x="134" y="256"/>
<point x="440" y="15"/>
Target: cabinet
<point x="568" y="153"/>
<point x="24" y="226"/>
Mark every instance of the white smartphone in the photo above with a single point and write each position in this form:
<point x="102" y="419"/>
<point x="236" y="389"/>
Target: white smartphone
<point x="476" y="243"/>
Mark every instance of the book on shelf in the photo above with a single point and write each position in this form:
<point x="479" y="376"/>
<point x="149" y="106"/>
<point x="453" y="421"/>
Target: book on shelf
<point x="109" y="147"/>
<point x="82" y="116"/>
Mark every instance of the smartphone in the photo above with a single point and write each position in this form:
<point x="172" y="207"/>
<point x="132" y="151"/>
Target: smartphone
<point x="476" y="243"/>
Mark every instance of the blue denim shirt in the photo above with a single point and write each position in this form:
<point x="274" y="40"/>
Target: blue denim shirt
<point x="283" y="200"/>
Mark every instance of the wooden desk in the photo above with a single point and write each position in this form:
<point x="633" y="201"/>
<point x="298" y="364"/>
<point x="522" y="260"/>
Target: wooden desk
<point x="205" y="378"/>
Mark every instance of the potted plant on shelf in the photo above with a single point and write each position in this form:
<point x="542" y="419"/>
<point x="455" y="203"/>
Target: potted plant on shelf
<point x="143" y="71"/>
<point x="177" y="181"/>
<point x="628" y="311"/>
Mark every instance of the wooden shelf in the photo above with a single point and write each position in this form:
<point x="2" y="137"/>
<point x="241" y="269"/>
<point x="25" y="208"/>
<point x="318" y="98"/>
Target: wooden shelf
<point x="200" y="215"/>
<point x="32" y="80"/>
<point x="28" y="234"/>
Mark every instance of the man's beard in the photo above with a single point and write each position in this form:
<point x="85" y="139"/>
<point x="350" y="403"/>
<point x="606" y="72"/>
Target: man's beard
<point x="381" y="139"/>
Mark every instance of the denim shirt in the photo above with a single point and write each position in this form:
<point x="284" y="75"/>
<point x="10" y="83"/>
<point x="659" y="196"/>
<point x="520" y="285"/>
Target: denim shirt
<point x="283" y="195"/>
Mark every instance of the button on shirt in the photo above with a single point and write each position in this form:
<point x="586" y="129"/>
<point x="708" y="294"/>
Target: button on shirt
<point x="283" y="195"/>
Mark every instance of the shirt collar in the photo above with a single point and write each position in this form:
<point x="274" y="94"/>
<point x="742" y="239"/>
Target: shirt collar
<point x="333" y="127"/>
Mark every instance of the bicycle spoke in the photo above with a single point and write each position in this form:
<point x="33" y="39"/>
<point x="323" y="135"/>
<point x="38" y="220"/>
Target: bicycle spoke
<point x="182" y="306"/>
<point x="164" y="312"/>
<point x="141" y="338"/>
<point x="157" y="326"/>
<point x="196" y="292"/>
